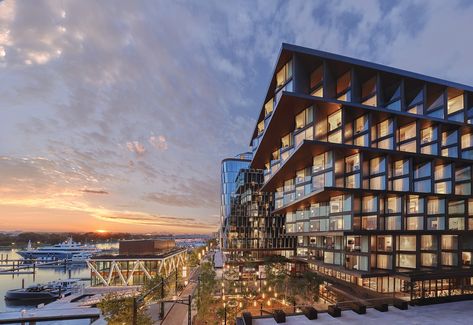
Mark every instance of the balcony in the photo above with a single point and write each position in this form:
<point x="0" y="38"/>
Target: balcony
<point x="290" y="104"/>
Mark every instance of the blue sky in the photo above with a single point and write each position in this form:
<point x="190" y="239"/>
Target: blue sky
<point x="115" y="115"/>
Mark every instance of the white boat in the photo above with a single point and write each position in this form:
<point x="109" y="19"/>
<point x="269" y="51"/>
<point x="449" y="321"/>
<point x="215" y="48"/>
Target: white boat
<point x="68" y="250"/>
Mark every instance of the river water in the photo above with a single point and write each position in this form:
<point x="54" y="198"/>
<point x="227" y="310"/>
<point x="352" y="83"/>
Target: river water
<point x="43" y="275"/>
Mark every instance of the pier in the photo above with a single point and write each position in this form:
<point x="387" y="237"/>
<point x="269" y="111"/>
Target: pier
<point x="25" y="266"/>
<point x="49" y="314"/>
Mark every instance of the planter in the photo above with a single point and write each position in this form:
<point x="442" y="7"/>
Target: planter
<point x="358" y="308"/>
<point x="279" y="316"/>
<point x="401" y="304"/>
<point x="382" y="307"/>
<point x="247" y="318"/>
<point x="310" y="312"/>
<point x="334" y="311"/>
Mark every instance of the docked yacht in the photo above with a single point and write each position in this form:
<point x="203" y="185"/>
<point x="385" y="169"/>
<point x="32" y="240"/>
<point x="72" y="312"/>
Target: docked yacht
<point x="43" y="292"/>
<point x="69" y="250"/>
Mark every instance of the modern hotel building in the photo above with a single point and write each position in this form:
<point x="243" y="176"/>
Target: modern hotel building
<point x="371" y="169"/>
<point x="250" y="231"/>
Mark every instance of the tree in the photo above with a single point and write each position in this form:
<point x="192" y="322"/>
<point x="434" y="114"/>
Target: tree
<point x="275" y="271"/>
<point x="154" y="285"/>
<point x="118" y="310"/>
<point x="312" y="283"/>
<point x="193" y="258"/>
<point x="207" y="284"/>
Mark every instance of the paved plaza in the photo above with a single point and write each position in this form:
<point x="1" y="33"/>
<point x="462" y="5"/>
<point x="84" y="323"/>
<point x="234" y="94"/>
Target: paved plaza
<point x="449" y="313"/>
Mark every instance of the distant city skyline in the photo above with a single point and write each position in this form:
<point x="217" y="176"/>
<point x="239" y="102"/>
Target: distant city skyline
<point x="115" y="116"/>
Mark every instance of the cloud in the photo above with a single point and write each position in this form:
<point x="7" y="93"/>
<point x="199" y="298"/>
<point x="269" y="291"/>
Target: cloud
<point x="158" y="142"/>
<point x="136" y="147"/>
<point x="95" y="92"/>
<point x="86" y="190"/>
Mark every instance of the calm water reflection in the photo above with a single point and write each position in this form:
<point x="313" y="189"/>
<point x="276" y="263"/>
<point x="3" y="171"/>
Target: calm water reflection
<point x="43" y="275"/>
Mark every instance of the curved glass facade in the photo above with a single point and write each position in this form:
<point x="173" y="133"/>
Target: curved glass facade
<point x="229" y="172"/>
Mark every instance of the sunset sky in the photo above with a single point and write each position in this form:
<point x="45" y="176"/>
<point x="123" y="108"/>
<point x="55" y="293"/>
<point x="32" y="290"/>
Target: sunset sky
<point x="115" y="115"/>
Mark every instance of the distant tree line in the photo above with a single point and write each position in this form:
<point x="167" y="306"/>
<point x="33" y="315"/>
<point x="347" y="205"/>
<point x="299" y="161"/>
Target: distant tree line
<point x="21" y="239"/>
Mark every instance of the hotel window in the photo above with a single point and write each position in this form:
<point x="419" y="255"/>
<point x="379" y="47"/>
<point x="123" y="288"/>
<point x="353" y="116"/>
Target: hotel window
<point x="384" y="262"/>
<point x="406" y="261"/>
<point x="467" y="146"/>
<point x="406" y="140"/>
<point x="382" y="135"/>
<point x="369" y="222"/>
<point x="369" y="204"/>
<point x="429" y="140"/>
<point x="361" y="131"/>
<point x="406" y="243"/>
<point x="283" y="75"/>
<point x="455" y="105"/>
<point x="322" y="162"/>
<point x="450" y="144"/>
<point x="456" y="212"/>
<point x="352" y="171"/>
<point x="463" y="180"/>
<point x="307" y="134"/>
<point x="289" y="185"/>
<point x="443" y="179"/>
<point x="340" y="223"/>
<point x="304" y="118"/>
<point x="422" y="178"/>
<point x="414" y="223"/>
<point x="399" y="180"/>
<point x="415" y="204"/>
<point x="435" y="99"/>
<point x="260" y="127"/>
<point x="449" y="242"/>
<point x="435" y="223"/>
<point x="456" y="207"/>
<point x="383" y="243"/>
<point x="435" y="206"/>
<point x="457" y="223"/>
<point x="392" y="223"/>
<point x="428" y="243"/>
<point x="393" y="97"/>
<point x="334" y="123"/>
<point x="286" y="141"/>
<point x="393" y="204"/>
<point x="470" y="214"/>
<point x="322" y="171"/>
<point x="340" y="203"/>
<point x="469" y="111"/>
<point x="428" y="259"/>
<point x="268" y="107"/>
<point x="316" y="82"/>
<point x="377" y="179"/>
<point x="344" y="87"/>
<point x="449" y="259"/>
<point x="303" y="175"/>
<point x="290" y="228"/>
<point x="368" y="92"/>
<point x="466" y="258"/>
<point x="416" y="105"/>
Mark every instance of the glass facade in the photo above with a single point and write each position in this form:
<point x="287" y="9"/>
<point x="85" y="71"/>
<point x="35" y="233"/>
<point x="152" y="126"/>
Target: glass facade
<point x="228" y="177"/>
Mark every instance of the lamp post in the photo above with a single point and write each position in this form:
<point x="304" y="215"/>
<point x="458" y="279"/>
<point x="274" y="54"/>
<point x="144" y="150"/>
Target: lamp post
<point x="225" y="313"/>
<point x="175" y="286"/>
